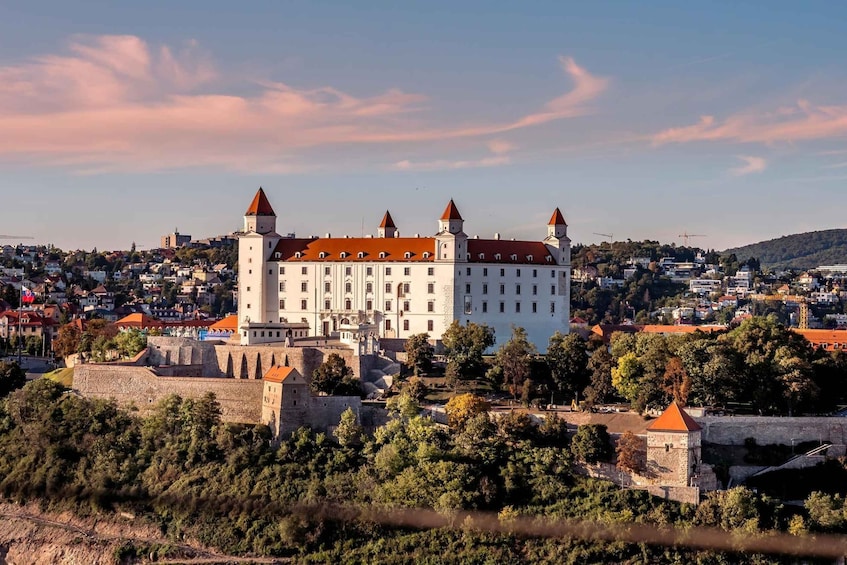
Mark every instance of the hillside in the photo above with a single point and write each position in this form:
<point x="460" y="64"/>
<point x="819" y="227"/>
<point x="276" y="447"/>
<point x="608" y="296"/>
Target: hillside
<point x="799" y="251"/>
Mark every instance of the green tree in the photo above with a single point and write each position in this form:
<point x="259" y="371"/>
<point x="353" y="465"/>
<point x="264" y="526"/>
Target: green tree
<point x="626" y="376"/>
<point x="12" y="377"/>
<point x="419" y="353"/>
<point x="333" y="377"/>
<point x="600" y="369"/>
<point x="826" y="511"/>
<point x="416" y="389"/>
<point x="591" y="443"/>
<point x="349" y="432"/>
<point x="68" y="340"/>
<point x="131" y="342"/>
<point x="515" y="358"/>
<point x="629" y="450"/>
<point x="464" y="347"/>
<point x="567" y="358"/>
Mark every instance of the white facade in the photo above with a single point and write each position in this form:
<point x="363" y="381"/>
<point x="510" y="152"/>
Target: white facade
<point x="403" y="286"/>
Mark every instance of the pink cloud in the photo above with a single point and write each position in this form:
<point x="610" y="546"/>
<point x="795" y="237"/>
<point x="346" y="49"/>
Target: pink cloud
<point x="751" y="165"/>
<point x="440" y="164"/>
<point x="802" y="122"/>
<point x="116" y="103"/>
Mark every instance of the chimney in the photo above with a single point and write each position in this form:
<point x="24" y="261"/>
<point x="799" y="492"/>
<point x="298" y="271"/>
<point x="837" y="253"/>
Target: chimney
<point x="497" y="236"/>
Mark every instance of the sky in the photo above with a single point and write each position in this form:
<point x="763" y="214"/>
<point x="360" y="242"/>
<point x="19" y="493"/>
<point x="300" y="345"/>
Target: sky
<point x="122" y="121"/>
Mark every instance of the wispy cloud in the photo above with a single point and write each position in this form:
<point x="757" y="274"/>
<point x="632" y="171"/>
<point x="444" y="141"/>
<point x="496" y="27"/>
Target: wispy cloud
<point x="438" y="164"/>
<point x="802" y="122"/>
<point x="751" y="165"/>
<point x="118" y="103"/>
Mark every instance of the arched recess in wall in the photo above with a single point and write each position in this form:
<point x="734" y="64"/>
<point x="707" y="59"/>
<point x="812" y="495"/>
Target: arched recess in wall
<point x="286" y="361"/>
<point x="245" y="373"/>
<point x="259" y="374"/>
<point x="273" y="360"/>
<point x="229" y="372"/>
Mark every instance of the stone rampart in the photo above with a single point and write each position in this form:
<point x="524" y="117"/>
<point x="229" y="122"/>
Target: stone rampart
<point x="733" y="430"/>
<point x="241" y="401"/>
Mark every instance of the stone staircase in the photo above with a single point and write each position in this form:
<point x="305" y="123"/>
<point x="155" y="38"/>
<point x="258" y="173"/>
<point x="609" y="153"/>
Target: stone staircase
<point x="381" y="378"/>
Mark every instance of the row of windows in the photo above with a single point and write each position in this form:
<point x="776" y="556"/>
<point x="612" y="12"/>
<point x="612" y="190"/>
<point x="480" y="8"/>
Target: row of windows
<point x="348" y="287"/>
<point x="430" y="306"/>
<point x="503" y="289"/>
<point x="430" y="325"/>
<point x="407" y="271"/>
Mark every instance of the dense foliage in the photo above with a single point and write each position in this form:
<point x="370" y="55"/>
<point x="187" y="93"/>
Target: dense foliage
<point x="799" y="251"/>
<point x="227" y="486"/>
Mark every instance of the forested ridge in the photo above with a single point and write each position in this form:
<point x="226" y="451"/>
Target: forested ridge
<point x="193" y="476"/>
<point x="799" y="251"/>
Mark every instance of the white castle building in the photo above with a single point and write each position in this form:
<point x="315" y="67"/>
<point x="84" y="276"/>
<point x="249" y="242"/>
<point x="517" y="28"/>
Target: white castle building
<point x="393" y="287"/>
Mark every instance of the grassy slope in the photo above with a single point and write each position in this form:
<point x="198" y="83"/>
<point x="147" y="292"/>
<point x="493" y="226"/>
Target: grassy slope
<point x="799" y="251"/>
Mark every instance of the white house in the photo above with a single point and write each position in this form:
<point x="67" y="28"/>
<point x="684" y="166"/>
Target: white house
<point x="401" y="285"/>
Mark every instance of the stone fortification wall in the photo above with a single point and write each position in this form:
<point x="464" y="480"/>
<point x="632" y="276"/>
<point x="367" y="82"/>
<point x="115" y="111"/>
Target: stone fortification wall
<point x="164" y="350"/>
<point x="733" y="430"/>
<point x="241" y="401"/>
<point x="253" y="361"/>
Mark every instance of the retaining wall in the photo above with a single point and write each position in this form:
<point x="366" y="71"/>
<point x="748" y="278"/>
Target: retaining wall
<point x="733" y="430"/>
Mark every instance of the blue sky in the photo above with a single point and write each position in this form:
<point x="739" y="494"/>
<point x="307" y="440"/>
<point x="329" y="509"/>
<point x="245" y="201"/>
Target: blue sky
<point x="121" y="121"/>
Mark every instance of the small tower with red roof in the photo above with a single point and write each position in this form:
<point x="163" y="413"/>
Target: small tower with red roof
<point x="260" y="217"/>
<point x="255" y="282"/>
<point x="673" y="448"/>
<point x="387" y="227"/>
<point x="451" y="240"/>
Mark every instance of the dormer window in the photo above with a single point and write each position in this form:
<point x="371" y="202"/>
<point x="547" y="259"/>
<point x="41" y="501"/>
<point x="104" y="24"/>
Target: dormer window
<point x="514" y="257"/>
<point x="361" y="255"/>
<point x="549" y="258"/>
<point x="426" y="254"/>
<point x="407" y="255"/>
<point x="277" y="255"/>
<point x="322" y="254"/>
<point x="482" y="255"/>
<point x="343" y="254"/>
<point x="496" y="256"/>
<point x="298" y="255"/>
<point x="382" y="254"/>
<point x="529" y="258"/>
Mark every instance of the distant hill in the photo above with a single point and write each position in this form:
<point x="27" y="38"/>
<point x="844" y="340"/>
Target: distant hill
<point x="800" y="251"/>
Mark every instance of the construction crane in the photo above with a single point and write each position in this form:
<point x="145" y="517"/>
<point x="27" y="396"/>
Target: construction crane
<point x="609" y="235"/>
<point x="686" y="236"/>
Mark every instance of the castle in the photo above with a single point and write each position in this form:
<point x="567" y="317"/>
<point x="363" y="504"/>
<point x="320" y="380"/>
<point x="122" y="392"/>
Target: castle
<point x="393" y="287"/>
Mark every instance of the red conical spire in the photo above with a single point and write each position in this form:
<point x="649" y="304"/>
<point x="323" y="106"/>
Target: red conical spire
<point x="260" y="205"/>
<point x="451" y="212"/>
<point x="387" y="221"/>
<point x="674" y="419"/>
<point x="557" y="219"/>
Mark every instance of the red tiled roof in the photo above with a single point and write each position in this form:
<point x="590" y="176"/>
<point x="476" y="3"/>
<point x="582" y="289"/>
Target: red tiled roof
<point x="139" y="321"/>
<point x="679" y="329"/>
<point x="280" y="374"/>
<point x="387" y="221"/>
<point x="820" y="337"/>
<point x="521" y="250"/>
<point x="451" y="212"/>
<point x="230" y="323"/>
<point x="396" y="248"/>
<point x="260" y="205"/>
<point x="674" y="419"/>
<point x="557" y="219"/>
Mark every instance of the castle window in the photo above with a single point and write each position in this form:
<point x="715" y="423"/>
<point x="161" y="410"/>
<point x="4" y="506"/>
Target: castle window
<point x="407" y="271"/>
<point x="534" y="289"/>
<point x="248" y="290"/>
<point x="304" y="305"/>
<point x="430" y="306"/>
<point x="405" y="325"/>
<point x="534" y="272"/>
<point x="304" y="286"/>
<point x="426" y="254"/>
<point x="387" y="307"/>
<point x="327" y="287"/>
<point x="282" y="270"/>
<point x="294" y="403"/>
<point x="502" y="307"/>
<point x="485" y="271"/>
<point x="361" y="255"/>
<point x="298" y="255"/>
<point x="430" y="288"/>
<point x="405" y="288"/>
<point x="484" y="307"/>
<point x="348" y="287"/>
<point x="343" y="254"/>
<point x="248" y="306"/>
<point x="327" y="305"/>
<point x="430" y="325"/>
<point x="369" y="305"/>
<point x="388" y="325"/>
<point x="497" y="258"/>
<point x="467" y="288"/>
<point x="282" y="286"/>
<point x="270" y="271"/>
<point x="534" y="308"/>
<point x="406" y="306"/>
<point x="277" y="255"/>
<point x="388" y="271"/>
<point x="468" y="271"/>
<point x="430" y="271"/>
<point x="369" y="287"/>
<point x="322" y="254"/>
<point x="382" y="254"/>
<point x="249" y="259"/>
<point x="549" y="259"/>
<point x="552" y="289"/>
<point x="348" y="271"/>
<point x="407" y="255"/>
<point x="517" y="289"/>
<point x="529" y="258"/>
<point x="282" y="304"/>
<point x="517" y="307"/>
<point x="369" y="271"/>
<point x="304" y="270"/>
<point x="482" y="255"/>
<point x="348" y="305"/>
<point x="517" y="271"/>
<point x="553" y="274"/>
<point x="502" y="289"/>
<point x="388" y="287"/>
